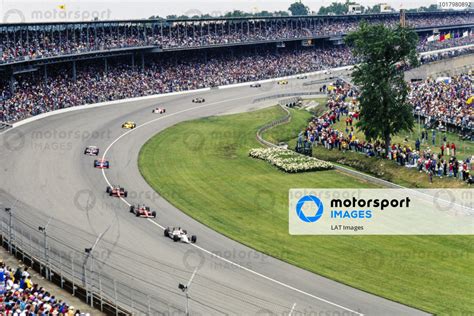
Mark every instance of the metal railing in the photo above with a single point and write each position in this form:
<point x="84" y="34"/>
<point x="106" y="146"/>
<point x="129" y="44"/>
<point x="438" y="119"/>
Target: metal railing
<point x="77" y="271"/>
<point x="283" y="95"/>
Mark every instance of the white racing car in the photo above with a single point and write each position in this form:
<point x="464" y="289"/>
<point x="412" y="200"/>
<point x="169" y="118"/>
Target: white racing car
<point x="159" y="111"/>
<point x="91" y="151"/>
<point x="199" y="100"/>
<point x="178" y="234"/>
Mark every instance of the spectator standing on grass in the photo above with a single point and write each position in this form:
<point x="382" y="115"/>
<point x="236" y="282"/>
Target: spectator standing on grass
<point x="448" y="146"/>
<point x="417" y="144"/>
<point x="25" y="273"/>
<point x="442" y="150"/>
<point x="17" y="275"/>
<point x="433" y="137"/>
<point x="453" y="149"/>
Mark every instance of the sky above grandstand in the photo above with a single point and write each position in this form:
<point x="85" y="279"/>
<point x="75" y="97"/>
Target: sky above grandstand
<point x="85" y="10"/>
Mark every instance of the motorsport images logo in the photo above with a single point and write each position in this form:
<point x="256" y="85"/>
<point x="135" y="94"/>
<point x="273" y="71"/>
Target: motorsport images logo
<point x="379" y="212"/>
<point x="312" y="204"/>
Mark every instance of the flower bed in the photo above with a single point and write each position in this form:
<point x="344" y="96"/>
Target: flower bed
<point x="289" y="161"/>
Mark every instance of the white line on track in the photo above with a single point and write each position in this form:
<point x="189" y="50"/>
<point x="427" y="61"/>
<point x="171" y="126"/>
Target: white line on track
<point x="200" y="248"/>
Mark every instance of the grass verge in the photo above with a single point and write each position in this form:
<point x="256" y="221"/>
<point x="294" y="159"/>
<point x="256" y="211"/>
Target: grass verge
<point x="202" y="167"/>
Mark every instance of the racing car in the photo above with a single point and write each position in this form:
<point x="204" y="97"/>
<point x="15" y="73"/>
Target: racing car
<point x="101" y="164"/>
<point x="199" y="100"/>
<point x="142" y="211"/>
<point x="255" y="85"/>
<point x="302" y="77"/>
<point x="159" y="111"/>
<point x="91" y="151"/>
<point x="129" y="125"/>
<point x="283" y="82"/>
<point x="116" y="190"/>
<point x="178" y="234"/>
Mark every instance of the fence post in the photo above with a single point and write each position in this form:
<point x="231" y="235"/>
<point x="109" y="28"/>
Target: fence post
<point x="60" y="269"/>
<point x="115" y="294"/>
<point x="131" y="295"/>
<point x="10" y="234"/>
<point x="100" y="294"/>
<point x="73" y="282"/>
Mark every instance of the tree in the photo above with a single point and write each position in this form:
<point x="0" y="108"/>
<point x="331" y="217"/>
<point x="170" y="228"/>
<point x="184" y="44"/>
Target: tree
<point x="382" y="51"/>
<point x="298" y="8"/>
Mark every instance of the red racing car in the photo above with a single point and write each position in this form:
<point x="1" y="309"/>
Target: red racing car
<point x="142" y="211"/>
<point x="101" y="164"/>
<point x="117" y="191"/>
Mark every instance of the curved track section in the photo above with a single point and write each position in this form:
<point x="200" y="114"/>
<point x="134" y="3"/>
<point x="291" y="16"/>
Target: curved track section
<point x="45" y="175"/>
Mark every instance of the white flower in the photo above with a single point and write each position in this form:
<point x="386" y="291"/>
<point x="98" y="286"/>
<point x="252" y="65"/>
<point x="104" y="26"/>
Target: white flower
<point x="289" y="161"/>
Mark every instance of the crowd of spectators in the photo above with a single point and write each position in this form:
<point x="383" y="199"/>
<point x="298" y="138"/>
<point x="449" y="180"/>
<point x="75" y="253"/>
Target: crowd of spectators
<point x="445" y="103"/>
<point x="40" y="42"/>
<point x="343" y="105"/>
<point x="32" y="97"/>
<point x="426" y="45"/>
<point x="20" y="296"/>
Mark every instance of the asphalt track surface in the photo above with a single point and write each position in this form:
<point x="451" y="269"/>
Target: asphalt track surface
<point x="45" y="174"/>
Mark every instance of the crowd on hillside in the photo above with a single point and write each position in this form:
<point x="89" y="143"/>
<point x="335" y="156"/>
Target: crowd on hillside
<point x="19" y="296"/>
<point x="343" y="105"/>
<point x="39" y="42"/>
<point x="445" y="103"/>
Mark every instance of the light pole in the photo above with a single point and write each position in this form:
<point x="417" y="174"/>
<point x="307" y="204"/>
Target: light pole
<point x="88" y="252"/>
<point x="185" y="289"/>
<point x="292" y="309"/>
<point x="46" y="256"/>
<point x="10" y="234"/>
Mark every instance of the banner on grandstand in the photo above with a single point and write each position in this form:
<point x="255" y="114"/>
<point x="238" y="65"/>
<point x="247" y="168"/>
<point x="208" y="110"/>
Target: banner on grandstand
<point x="381" y="212"/>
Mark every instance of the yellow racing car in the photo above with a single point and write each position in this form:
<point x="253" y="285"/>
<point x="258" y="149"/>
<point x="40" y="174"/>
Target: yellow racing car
<point x="283" y="82"/>
<point x="129" y="125"/>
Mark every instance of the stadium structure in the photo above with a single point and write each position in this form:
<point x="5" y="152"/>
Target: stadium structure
<point x="109" y="86"/>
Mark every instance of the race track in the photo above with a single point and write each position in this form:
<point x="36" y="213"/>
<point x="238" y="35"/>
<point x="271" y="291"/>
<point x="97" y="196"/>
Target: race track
<point x="45" y="174"/>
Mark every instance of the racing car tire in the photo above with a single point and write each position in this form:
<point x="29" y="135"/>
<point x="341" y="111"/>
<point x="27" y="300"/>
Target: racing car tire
<point x="167" y="232"/>
<point x="153" y="214"/>
<point x="175" y="238"/>
<point x="125" y="194"/>
<point x="193" y="239"/>
<point x="107" y="190"/>
<point x="111" y="193"/>
<point x="137" y="214"/>
<point x="132" y="208"/>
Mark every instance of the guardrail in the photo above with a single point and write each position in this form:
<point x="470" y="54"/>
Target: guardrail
<point x="283" y="95"/>
<point x="283" y="120"/>
<point x="4" y="126"/>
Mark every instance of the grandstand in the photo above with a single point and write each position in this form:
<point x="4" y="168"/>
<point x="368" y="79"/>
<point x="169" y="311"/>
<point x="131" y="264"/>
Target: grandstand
<point x="243" y="49"/>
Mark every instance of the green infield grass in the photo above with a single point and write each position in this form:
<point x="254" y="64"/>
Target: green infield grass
<point x="202" y="167"/>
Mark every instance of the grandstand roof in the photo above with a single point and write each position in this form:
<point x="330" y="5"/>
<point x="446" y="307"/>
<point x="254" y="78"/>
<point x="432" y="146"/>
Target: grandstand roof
<point x="165" y="21"/>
